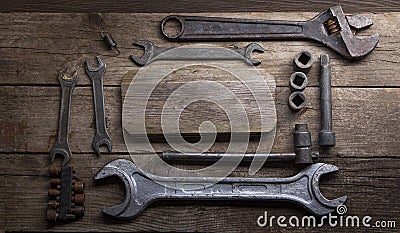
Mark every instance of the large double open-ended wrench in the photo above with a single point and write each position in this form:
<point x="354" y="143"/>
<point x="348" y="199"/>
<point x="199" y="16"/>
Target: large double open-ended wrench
<point x="96" y="74"/>
<point x="61" y="146"/>
<point x="152" y="52"/>
<point x="331" y="27"/>
<point x="140" y="190"/>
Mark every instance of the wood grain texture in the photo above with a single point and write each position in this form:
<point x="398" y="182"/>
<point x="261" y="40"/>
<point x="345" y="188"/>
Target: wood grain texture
<point x="70" y="38"/>
<point x="193" y="6"/>
<point x="35" y="46"/>
<point x="358" y="130"/>
<point x="365" y="181"/>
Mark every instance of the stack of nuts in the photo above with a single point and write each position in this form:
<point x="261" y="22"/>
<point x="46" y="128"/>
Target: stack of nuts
<point x="66" y="195"/>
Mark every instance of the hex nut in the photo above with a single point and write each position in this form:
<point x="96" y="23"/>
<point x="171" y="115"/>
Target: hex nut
<point x="297" y="101"/>
<point x="298" y="81"/>
<point x="303" y="61"/>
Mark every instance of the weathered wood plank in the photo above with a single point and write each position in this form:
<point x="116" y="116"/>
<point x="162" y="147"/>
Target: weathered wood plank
<point x="190" y="6"/>
<point x="362" y="119"/>
<point x="37" y="48"/>
<point x="365" y="181"/>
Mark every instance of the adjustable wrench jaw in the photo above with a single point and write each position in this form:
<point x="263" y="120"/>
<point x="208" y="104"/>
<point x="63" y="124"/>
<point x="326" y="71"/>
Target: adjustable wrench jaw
<point x="334" y="29"/>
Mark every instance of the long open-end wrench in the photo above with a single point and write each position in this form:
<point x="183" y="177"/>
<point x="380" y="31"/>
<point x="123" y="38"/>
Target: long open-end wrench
<point x="152" y="51"/>
<point x="96" y="74"/>
<point x="302" y="189"/>
<point x="61" y="146"/>
<point x="331" y="27"/>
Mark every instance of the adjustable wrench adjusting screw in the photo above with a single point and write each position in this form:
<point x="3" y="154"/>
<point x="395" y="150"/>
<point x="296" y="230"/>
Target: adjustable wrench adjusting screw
<point x="297" y="101"/>
<point x="302" y="145"/>
<point x="298" y="81"/>
<point x="303" y="61"/>
<point x="326" y="135"/>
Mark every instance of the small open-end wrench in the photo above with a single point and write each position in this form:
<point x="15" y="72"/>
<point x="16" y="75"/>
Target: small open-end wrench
<point x="331" y="27"/>
<point x="152" y="52"/>
<point x="302" y="189"/>
<point x="61" y="146"/>
<point x="96" y="74"/>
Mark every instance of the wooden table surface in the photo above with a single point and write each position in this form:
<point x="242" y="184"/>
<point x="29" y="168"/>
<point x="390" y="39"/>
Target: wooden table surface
<point x="39" y="37"/>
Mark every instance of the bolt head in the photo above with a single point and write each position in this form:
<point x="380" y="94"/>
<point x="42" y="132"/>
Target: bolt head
<point x="327" y="139"/>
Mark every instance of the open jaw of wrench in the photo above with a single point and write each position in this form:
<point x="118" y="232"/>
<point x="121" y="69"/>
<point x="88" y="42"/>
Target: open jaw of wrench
<point x="96" y="74"/>
<point x="140" y="190"/>
<point x="331" y="28"/>
<point x="61" y="146"/>
<point x="153" y="52"/>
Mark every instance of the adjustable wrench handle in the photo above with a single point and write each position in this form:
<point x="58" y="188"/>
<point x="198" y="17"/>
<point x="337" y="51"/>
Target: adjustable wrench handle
<point x="213" y="28"/>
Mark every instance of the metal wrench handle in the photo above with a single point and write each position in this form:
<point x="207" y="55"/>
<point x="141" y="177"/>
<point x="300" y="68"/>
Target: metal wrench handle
<point x="96" y="75"/>
<point x="141" y="189"/>
<point x="153" y="52"/>
<point x="214" y="28"/>
<point x="61" y="146"/>
<point x="331" y="28"/>
<point x="98" y="94"/>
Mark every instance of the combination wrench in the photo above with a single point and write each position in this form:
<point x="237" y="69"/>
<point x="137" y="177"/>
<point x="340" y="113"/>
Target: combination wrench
<point x="331" y="28"/>
<point x="152" y="52"/>
<point x="141" y="190"/>
<point x="61" y="146"/>
<point x="96" y="75"/>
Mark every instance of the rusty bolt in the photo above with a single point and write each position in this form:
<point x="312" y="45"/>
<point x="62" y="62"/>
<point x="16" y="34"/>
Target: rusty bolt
<point x="78" y="186"/>
<point x="53" y="204"/>
<point x="55" y="181"/>
<point x="54" y="192"/>
<point x="54" y="170"/>
<point x="51" y="215"/>
<point x="78" y="211"/>
<point x="78" y="199"/>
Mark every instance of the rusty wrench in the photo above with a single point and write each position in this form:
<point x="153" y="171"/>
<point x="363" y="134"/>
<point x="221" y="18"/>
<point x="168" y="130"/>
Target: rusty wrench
<point x="96" y="74"/>
<point x="61" y="145"/>
<point x="141" y="190"/>
<point x="331" y="27"/>
<point x="151" y="52"/>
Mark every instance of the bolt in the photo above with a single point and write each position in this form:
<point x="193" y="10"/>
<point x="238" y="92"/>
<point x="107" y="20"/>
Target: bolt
<point x="54" y="192"/>
<point x="303" y="61"/>
<point x="51" y="215"/>
<point x="78" y="186"/>
<point x="53" y="204"/>
<point x="55" y="181"/>
<point x="78" y="199"/>
<point x="326" y="135"/>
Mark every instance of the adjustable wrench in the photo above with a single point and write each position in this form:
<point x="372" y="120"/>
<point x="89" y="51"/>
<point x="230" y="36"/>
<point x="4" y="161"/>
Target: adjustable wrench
<point x="331" y="27"/>
<point x="61" y="145"/>
<point x="141" y="190"/>
<point x="151" y="51"/>
<point x="96" y="74"/>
